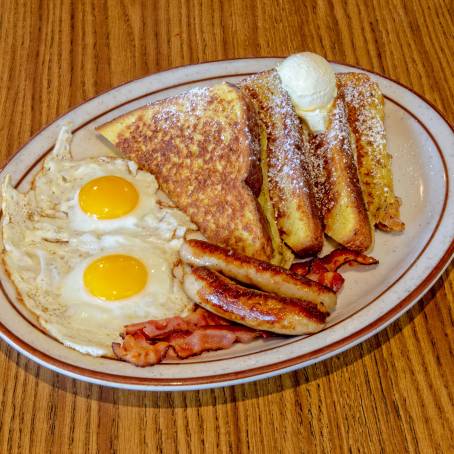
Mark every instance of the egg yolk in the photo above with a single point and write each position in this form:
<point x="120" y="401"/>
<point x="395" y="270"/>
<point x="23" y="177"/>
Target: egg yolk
<point x="114" y="277"/>
<point x="108" y="197"/>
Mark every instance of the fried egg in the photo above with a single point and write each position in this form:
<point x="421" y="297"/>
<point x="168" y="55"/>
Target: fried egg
<point x="92" y="247"/>
<point x="100" y="194"/>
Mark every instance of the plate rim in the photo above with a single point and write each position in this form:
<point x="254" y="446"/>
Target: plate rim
<point x="263" y="371"/>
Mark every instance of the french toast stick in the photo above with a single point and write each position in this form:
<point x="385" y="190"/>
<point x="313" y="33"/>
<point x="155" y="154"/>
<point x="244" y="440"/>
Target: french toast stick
<point x="365" y="108"/>
<point x="285" y="149"/>
<point x="338" y="191"/>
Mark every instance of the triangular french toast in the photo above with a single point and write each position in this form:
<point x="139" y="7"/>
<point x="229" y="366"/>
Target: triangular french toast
<point x="203" y="147"/>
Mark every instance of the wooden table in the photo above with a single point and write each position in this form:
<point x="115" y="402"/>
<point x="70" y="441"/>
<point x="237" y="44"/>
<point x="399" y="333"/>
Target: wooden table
<point x="393" y="393"/>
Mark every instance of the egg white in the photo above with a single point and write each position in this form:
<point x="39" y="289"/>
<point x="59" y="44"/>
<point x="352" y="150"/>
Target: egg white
<point x="47" y="245"/>
<point x="56" y="190"/>
<point x="162" y="297"/>
<point x="152" y="301"/>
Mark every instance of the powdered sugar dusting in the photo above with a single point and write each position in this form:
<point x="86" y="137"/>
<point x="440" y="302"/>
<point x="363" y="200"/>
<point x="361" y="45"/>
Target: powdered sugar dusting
<point x="287" y="167"/>
<point x="205" y="156"/>
<point x="367" y="122"/>
<point x="195" y="101"/>
<point x="364" y="102"/>
<point x="337" y="140"/>
<point x="286" y="154"/>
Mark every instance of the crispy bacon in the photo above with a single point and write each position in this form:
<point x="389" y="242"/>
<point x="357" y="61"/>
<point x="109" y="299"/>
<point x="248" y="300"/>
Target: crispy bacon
<point x="324" y="269"/>
<point x="149" y="343"/>
<point x="330" y="279"/>
<point x="208" y="338"/>
<point x="161" y="328"/>
<point x="302" y="268"/>
<point x="136" y="350"/>
<point x="335" y="259"/>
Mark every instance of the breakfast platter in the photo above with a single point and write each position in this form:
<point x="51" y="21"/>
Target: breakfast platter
<point x="55" y="218"/>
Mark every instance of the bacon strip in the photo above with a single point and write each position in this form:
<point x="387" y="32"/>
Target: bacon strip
<point x="164" y="327"/>
<point x="148" y="343"/>
<point x="335" y="259"/>
<point x="209" y="338"/>
<point x="324" y="269"/>
<point x="136" y="350"/>
<point x="330" y="279"/>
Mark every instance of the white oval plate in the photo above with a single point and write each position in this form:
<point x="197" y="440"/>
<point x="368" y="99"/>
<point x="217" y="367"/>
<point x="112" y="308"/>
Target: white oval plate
<point x="422" y="144"/>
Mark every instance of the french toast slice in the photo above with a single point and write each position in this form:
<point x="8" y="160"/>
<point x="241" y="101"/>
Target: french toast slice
<point x="365" y="108"/>
<point x="285" y="152"/>
<point x="203" y="146"/>
<point x="337" y="188"/>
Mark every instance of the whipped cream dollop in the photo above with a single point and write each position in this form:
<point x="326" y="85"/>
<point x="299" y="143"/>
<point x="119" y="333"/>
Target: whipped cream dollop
<point x="311" y="83"/>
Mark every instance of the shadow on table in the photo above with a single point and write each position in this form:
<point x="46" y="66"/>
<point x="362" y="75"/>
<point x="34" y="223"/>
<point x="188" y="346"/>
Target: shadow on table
<point x="195" y="399"/>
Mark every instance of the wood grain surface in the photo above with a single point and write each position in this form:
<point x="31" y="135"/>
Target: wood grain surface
<point x="391" y="394"/>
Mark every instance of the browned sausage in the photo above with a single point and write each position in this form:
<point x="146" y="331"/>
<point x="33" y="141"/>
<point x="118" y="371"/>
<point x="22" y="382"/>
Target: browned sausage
<point x="263" y="275"/>
<point x="253" y="308"/>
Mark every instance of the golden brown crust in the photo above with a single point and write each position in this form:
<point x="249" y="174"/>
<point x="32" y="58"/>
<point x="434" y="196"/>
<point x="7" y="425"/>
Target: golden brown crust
<point x="290" y="187"/>
<point x="203" y="148"/>
<point x="263" y="275"/>
<point x="365" y="107"/>
<point x="254" y="178"/>
<point x="253" y="308"/>
<point x="339" y="194"/>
